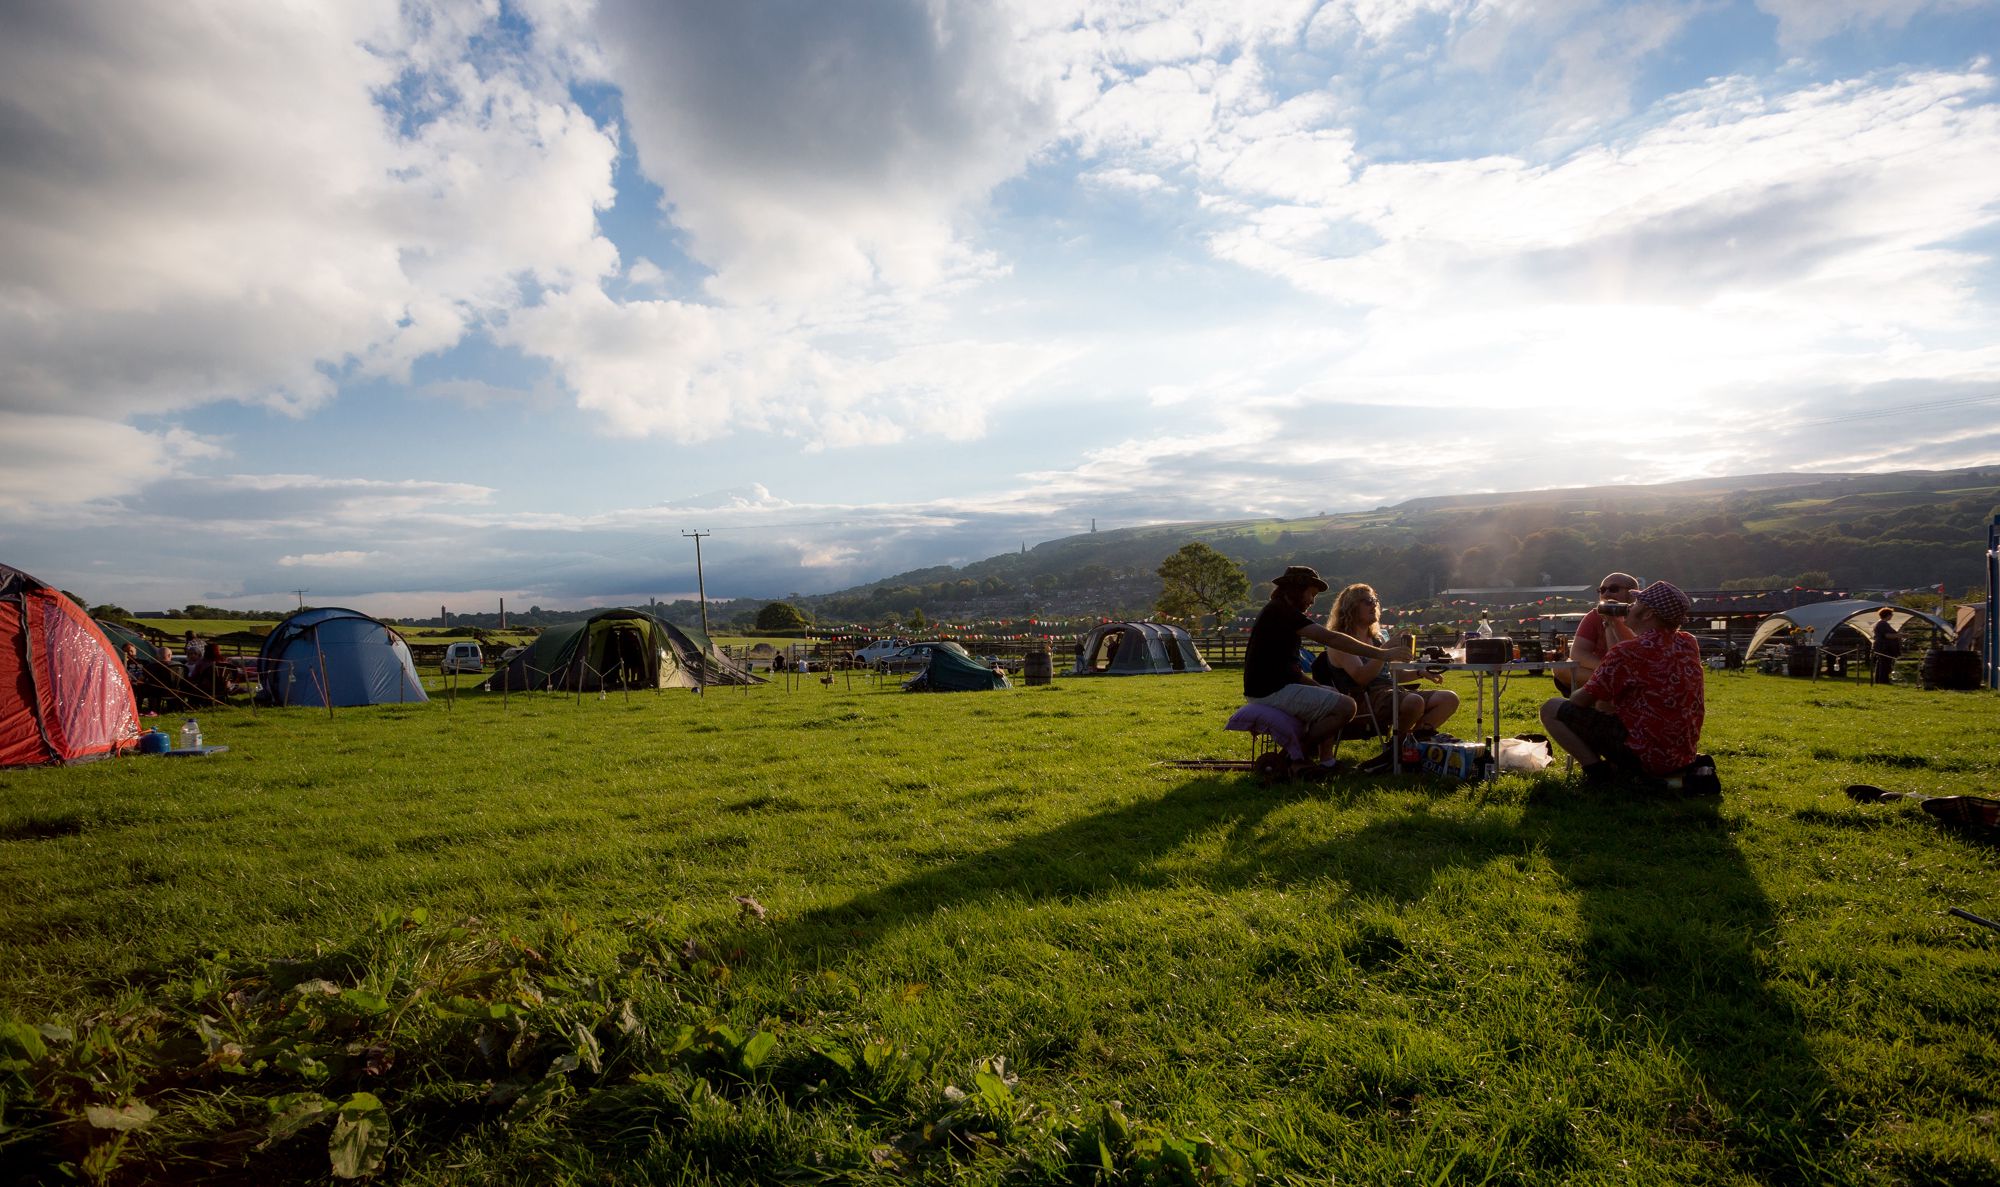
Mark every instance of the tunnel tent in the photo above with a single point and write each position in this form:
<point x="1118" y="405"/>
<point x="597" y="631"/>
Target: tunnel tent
<point x="951" y="670"/>
<point x="1138" y="649"/>
<point x="618" y="648"/>
<point x="64" y="695"/>
<point x="1824" y="618"/>
<point x="332" y="656"/>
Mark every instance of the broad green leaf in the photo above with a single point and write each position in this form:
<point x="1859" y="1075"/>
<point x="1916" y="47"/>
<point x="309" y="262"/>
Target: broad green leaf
<point x="292" y="1112"/>
<point x="992" y="1088"/>
<point x="360" y="1137"/>
<point x="131" y="1115"/>
<point x="365" y="1000"/>
<point x="21" y="1041"/>
<point x="757" y="1048"/>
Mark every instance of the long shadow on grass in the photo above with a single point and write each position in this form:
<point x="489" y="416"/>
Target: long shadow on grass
<point x="1118" y="849"/>
<point x="1674" y="933"/>
<point x="1674" y="926"/>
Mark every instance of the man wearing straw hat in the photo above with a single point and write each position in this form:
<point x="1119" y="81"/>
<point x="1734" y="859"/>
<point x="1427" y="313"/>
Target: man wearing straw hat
<point x="1641" y="713"/>
<point x="1273" y="675"/>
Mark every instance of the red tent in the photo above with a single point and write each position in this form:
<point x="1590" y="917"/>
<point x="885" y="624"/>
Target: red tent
<point x="64" y="696"/>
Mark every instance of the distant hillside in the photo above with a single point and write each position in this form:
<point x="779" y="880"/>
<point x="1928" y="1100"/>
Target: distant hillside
<point x="1914" y="528"/>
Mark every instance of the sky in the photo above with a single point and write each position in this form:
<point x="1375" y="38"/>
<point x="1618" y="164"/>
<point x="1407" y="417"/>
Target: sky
<point x="410" y="304"/>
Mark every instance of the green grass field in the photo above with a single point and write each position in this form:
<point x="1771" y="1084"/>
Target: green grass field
<point x="988" y="940"/>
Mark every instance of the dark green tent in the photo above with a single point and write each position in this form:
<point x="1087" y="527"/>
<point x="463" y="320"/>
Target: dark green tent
<point x="120" y="634"/>
<point x="620" y="648"/>
<point x="952" y="670"/>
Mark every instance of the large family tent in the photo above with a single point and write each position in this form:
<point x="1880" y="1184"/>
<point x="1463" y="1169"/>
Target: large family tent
<point x="1824" y="618"/>
<point x="64" y="695"/>
<point x="952" y="670"/>
<point x="330" y="656"/>
<point x="619" y="648"/>
<point x="1138" y="649"/>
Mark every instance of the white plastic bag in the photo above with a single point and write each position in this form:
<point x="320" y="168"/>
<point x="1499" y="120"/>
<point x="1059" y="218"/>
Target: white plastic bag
<point x="1519" y="754"/>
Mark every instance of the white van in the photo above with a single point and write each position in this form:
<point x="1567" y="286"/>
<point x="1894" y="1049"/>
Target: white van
<point x="878" y="651"/>
<point x="462" y="657"/>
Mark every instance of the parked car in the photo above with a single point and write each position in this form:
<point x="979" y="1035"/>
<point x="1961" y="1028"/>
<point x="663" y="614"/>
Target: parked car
<point x="878" y="651"/>
<point x="462" y="657"/>
<point x="914" y="658"/>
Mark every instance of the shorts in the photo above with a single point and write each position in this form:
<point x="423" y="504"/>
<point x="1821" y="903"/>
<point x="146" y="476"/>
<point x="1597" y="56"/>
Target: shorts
<point x="1382" y="703"/>
<point x="1602" y="732"/>
<point x="1307" y="702"/>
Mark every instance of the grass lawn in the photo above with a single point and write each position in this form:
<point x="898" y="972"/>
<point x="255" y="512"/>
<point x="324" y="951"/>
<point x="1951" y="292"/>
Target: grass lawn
<point x="862" y="936"/>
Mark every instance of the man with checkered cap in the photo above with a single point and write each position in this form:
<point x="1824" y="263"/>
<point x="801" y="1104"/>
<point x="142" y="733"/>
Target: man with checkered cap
<point x="1640" y="714"/>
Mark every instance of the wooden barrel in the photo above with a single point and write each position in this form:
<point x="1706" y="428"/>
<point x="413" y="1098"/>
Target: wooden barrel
<point x="1037" y="668"/>
<point x="1960" y="671"/>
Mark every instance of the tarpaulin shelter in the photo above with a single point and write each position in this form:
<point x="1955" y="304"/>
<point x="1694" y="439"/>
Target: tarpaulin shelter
<point x="952" y="670"/>
<point x="1972" y="628"/>
<point x="1138" y="649"/>
<point x="619" y="648"/>
<point x="64" y="695"/>
<point x="1824" y="618"/>
<point x="329" y="656"/>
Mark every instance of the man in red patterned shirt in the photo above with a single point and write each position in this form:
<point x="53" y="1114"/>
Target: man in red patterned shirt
<point x="1641" y="713"/>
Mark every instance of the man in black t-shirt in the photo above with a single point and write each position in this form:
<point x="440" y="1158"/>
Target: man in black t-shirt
<point x="1273" y="675"/>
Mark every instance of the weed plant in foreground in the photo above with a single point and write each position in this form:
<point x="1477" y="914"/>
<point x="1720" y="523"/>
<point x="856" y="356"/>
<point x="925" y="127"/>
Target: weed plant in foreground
<point x="858" y="936"/>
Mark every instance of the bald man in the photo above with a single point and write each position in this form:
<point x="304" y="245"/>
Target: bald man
<point x="1598" y="633"/>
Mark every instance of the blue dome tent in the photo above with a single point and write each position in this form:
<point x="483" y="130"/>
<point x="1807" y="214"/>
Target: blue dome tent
<point x="328" y="656"/>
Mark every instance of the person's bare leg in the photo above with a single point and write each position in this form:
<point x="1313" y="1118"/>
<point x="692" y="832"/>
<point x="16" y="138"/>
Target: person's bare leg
<point x="1439" y="705"/>
<point x="1564" y="736"/>
<point x="1324" y="733"/>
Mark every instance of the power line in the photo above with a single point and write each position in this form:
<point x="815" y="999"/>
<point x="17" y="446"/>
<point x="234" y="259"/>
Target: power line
<point x="1933" y="406"/>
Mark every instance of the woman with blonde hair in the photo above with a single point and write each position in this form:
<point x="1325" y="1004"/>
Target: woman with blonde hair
<point x="1358" y="612"/>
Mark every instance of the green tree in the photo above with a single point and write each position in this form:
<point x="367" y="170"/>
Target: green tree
<point x="782" y="616"/>
<point x="110" y="610"/>
<point x="1199" y="580"/>
<point x="916" y="621"/>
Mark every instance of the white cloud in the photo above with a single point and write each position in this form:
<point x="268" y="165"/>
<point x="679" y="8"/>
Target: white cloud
<point x="697" y="372"/>
<point x="1804" y="23"/>
<point x="812" y="149"/>
<point x="345" y="559"/>
<point x="209" y="204"/>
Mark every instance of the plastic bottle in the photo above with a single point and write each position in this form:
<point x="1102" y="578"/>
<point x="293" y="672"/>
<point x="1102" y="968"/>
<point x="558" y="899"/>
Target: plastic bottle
<point x="1412" y="753"/>
<point x="190" y="734"/>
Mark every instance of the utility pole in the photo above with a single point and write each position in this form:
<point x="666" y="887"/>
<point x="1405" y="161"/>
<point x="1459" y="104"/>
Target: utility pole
<point x="301" y="593"/>
<point x="701" y="589"/>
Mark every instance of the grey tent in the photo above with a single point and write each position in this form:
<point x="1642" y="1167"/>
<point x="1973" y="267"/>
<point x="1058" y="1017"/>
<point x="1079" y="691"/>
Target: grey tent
<point x="1824" y="618"/>
<point x="1138" y="649"/>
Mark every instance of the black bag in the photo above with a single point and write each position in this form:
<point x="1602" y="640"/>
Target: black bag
<point x="1699" y="777"/>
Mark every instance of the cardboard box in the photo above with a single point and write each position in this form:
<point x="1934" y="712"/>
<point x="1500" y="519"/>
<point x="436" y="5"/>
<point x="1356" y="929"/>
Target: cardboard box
<point x="1454" y="760"/>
